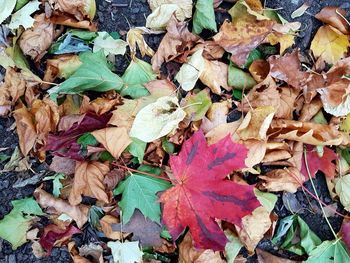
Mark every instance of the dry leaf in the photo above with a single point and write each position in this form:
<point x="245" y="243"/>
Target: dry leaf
<point x="63" y="19"/>
<point x="214" y="75"/>
<point x="59" y="207"/>
<point x="135" y="39"/>
<point x="80" y="9"/>
<point x="259" y="70"/>
<point x="35" y="41"/>
<point x="334" y="16"/>
<point x="242" y="36"/>
<point x="106" y="227"/>
<point x="183" y="11"/>
<point x="329" y="44"/>
<point x="99" y="106"/>
<point x="175" y="42"/>
<point x="62" y="165"/>
<point x="114" y="139"/>
<point x="265" y="257"/>
<point x="88" y="180"/>
<point x="188" y="253"/>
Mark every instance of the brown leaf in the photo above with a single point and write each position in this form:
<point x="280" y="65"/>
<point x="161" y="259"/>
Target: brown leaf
<point x="65" y="20"/>
<point x="11" y="89"/>
<point x="307" y="132"/>
<point x="175" y="42"/>
<point x="59" y="206"/>
<point x="265" y="257"/>
<point x="154" y="153"/>
<point x="309" y="110"/>
<point x="242" y="36"/>
<point x="114" y="139"/>
<point x="62" y="165"/>
<point x="106" y="223"/>
<point x="88" y="180"/>
<point x="282" y="180"/>
<point x="254" y="227"/>
<point x="188" y="253"/>
<point x="25" y="129"/>
<point x="334" y="16"/>
<point x="214" y="75"/>
<point x="77" y="8"/>
<point x="216" y="115"/>
<point x="259" y="70"/>
<point x="288" y="97"/>
<point x="113" y="177"/>
<point x="99" y="106"/>
<point x="35" y="41"/>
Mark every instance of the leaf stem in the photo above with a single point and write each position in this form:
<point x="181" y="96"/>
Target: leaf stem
<point x="140" y="172"/>
<point x="318" y="198"/>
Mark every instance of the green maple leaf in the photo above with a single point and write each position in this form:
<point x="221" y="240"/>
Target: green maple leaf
<point x="94" y="75"/>
<point x="14" y="226"/>
<point x="204" y="16"/>
<point x="138" y="73"/>
<point x="329" y="251"/>
<point x="139" y="191"/>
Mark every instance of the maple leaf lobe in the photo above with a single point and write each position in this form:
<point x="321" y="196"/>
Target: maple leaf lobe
<point x="202" y="194"/>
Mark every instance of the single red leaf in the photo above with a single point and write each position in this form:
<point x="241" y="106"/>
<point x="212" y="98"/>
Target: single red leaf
<point x="201" y="192"/>
<point x="317" y="163"/>
<point x="52" y="234"/>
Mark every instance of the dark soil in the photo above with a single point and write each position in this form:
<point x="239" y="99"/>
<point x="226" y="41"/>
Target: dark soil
<point x="116" y="18"/>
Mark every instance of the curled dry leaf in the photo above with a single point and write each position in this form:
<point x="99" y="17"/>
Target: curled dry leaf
<point x="307" y="132"/>
<point x="334" y="16"/>
<point x="259" y="70"/>
<point x="88" y="180"/>
<point x="99" y="106"/>
<point x="189" y="253"/>
<point x="58" y="206"/>
<point x="135" y="39"/>
<point x="80" y="9"/>
<point x="114" y="139"/>
<point x="35" y="41"/>
<point x="63" y="19"/>
<point x="183" y="10"/>
<point x="160" y="17"/>
<point x="176" y="41"/>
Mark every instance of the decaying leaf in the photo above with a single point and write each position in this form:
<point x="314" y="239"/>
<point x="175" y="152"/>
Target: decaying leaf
<point x="191" y="203"/>
<point x="35" y="41"/>
<point x="88" y="180"/>
<point x="157" y="119"/>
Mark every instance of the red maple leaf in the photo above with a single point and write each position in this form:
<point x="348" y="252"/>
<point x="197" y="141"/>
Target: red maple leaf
<point x="201" y="192"/>
<point x="317" y="163"/>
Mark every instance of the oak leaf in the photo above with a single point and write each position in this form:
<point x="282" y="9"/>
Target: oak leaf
<point x="114" y="139"/>
<point x="315" y="162"/>
<point x="329" y="44"/>
<point x="201" y="194"/>
<point x="88" y="180"/>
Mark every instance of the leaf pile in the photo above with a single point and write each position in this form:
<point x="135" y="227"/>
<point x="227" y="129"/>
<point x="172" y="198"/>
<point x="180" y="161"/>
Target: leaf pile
<point x="149" y="161"/>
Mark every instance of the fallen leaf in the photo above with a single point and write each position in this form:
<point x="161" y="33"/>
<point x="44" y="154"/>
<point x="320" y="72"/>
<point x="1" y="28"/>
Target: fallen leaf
<point x="329" y="250"/>
<point x="197" y="105"/>
<point x="342" y="189"/>
<point x="183" y="11"/>
<point x="189" y="253"/>
<point x="23" y="16"/>
<point x="80" y="9"/>
<point x="7" y="7"/>
<point x="144" y="230"/>
<point x="191" y="203"/>
<point x="106" y="223"/>
<point x="239" y="79"/>
<point x="99" y="106"/>
<point x="59" y="206"/>
<point x="190" y="72"/>
<point x="135" y="39"/>
<point x="345" y="233"/>
<point x="334" y="16"/>
<point x="232" y="247"/>
<point x="265" y="257"/>
<point x="299" y="11"/>
<point x="319" y="163"/>
<point x="160" y="17"/>
<point x="66" y="20"/>
<point x="157" y="119"/>
<point x="175" y="42"/>
<point x="35" y="41"/>
<point x="329" y="44"/>
<point x="109" y="45"/>
<point x="14" y="226"/>
<point x="215" y="76"/>
<point x="93" y="251"/>
<point x="204" y="16"/>
<point x="54" y="235"/>
<point x="139" y="191"/>
<point x="114" y="139"/>
<point x="127" y="252"/>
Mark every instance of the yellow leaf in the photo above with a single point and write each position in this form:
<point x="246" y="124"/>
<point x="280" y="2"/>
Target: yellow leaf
<point x="135" y="39"/>
<point x="329" y="44"/>
<point x="285" y="40"/>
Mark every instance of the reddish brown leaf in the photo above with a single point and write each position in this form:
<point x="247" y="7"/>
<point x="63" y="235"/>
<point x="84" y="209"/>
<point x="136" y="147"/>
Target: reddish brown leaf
<point x="201" y="194"/>
<point x="317" y="163"/>
<point x="53" y="235"/>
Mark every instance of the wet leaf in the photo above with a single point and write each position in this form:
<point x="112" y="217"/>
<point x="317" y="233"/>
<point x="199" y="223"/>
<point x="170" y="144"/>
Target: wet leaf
<point x="190" y="202"/>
